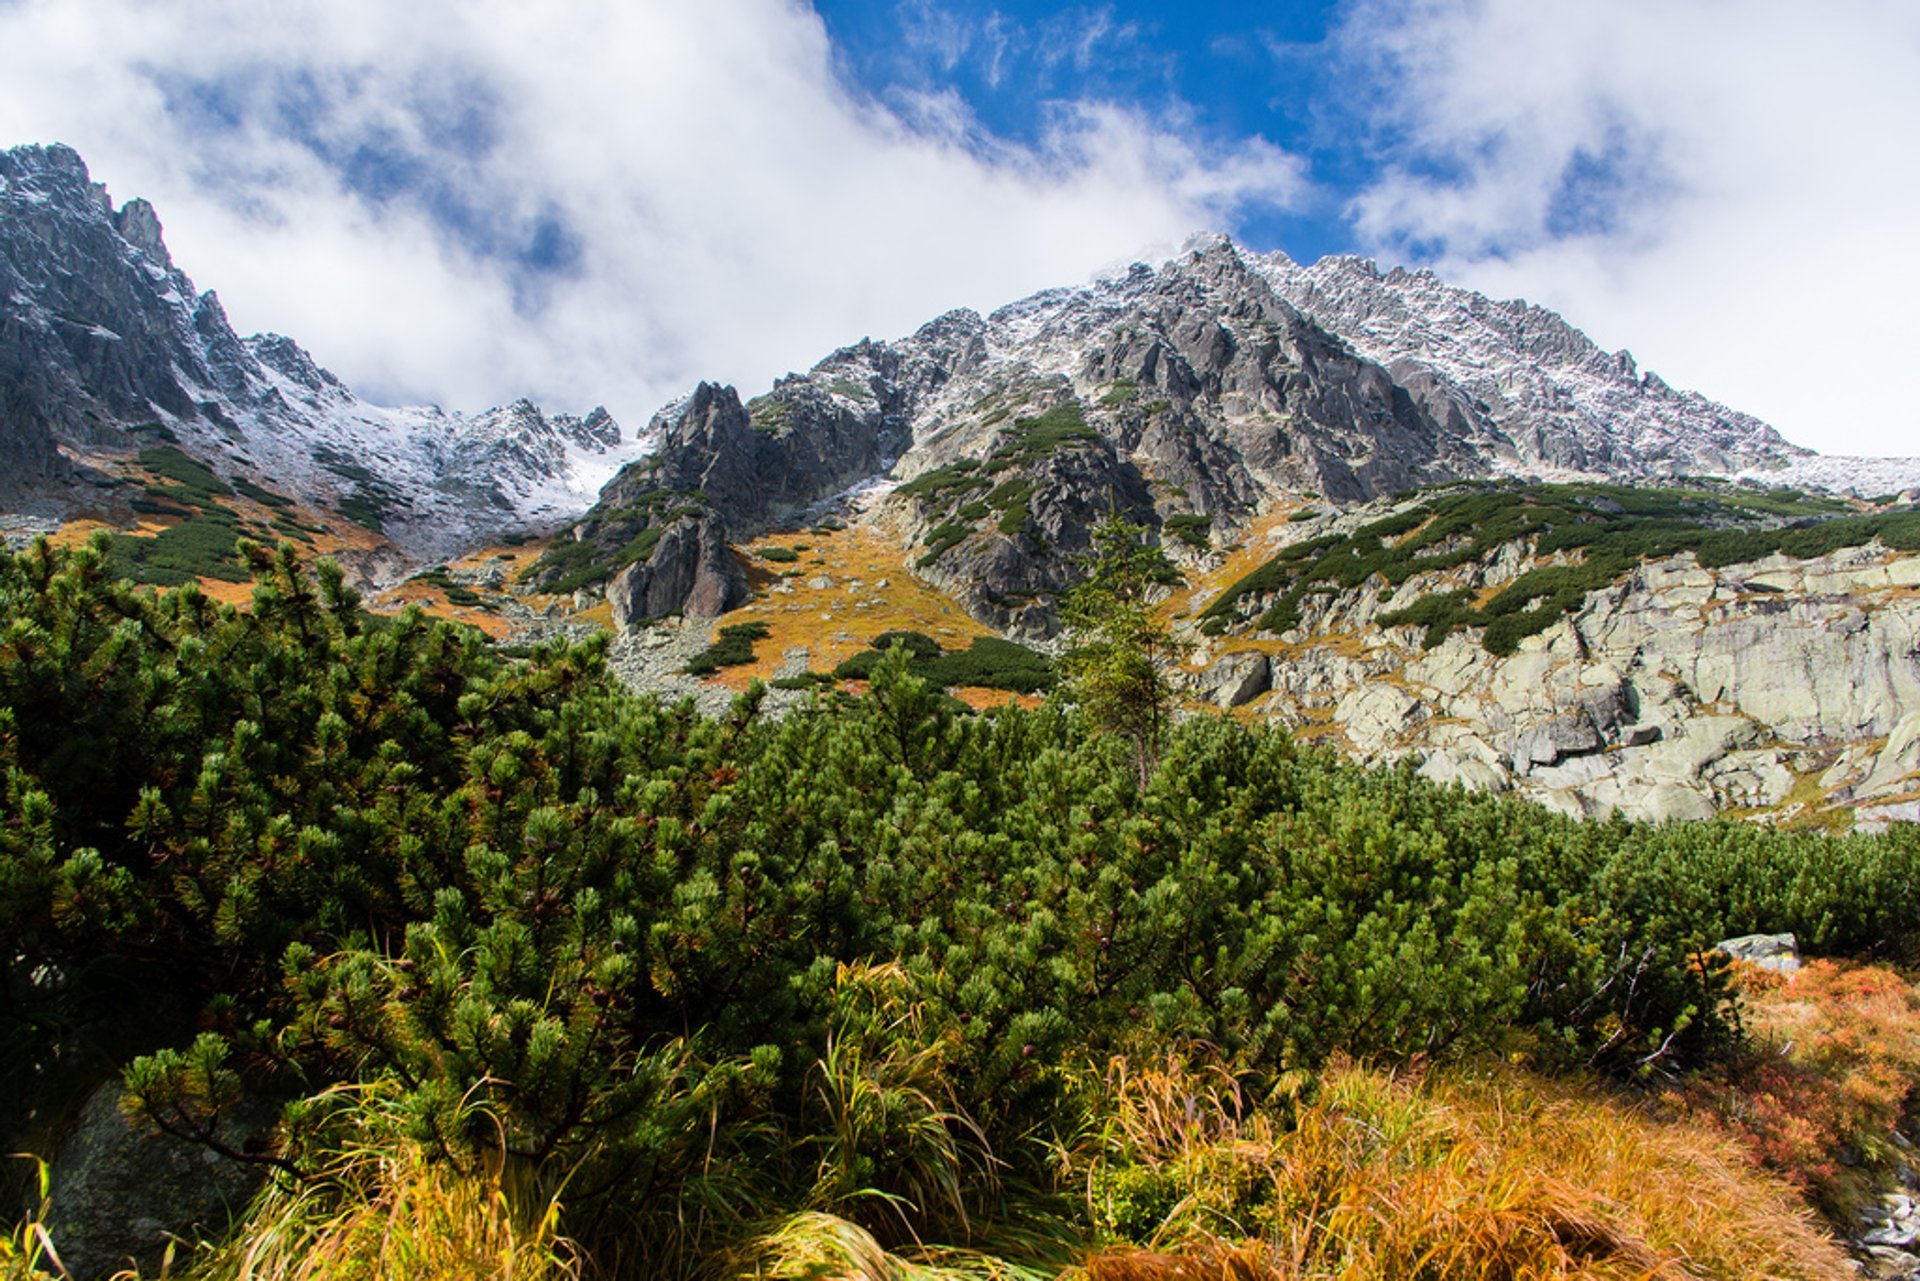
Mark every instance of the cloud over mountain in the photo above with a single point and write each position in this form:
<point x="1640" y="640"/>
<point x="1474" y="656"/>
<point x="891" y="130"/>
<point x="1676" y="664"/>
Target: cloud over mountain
<point x="470" y="202"/>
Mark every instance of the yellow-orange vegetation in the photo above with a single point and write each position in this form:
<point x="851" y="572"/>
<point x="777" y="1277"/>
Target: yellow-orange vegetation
<point x="388" y="1208"/>
<point x="836" y="622"/>
<point x="1464" y="1173"/>
<point x="1833" y="1055"/>
<point x="1256" y="544"/>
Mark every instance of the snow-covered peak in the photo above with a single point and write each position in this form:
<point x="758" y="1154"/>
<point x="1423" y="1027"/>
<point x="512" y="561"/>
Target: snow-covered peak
<point x="115" y="336"/>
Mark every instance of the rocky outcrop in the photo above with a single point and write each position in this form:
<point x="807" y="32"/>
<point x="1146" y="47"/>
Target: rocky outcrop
<point x="121" y="1192"/>
<point x="692" y="570"/>
<point x="1779" y="953"/>
<point x="1780" y="687"/>
<point x="1534" y="390"/>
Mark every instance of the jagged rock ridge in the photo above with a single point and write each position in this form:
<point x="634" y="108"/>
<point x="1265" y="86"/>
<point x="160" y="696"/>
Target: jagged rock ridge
<point x="1546" y="393"/>
<point x="102" y="335"/>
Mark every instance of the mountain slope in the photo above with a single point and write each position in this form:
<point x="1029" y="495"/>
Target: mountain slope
<point x="102" y="338"/>
<point x="1662" y="653"/>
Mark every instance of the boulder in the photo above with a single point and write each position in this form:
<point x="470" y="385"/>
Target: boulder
<point x="1777" y="952"/>
<point x="120" y="1191"/>
<point x="1237" y="679"/>
<point x="1553" y="741"/>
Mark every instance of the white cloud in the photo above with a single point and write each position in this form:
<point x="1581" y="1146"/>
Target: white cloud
<point x="729" y="210"/>
<point x="1728" y="188"/>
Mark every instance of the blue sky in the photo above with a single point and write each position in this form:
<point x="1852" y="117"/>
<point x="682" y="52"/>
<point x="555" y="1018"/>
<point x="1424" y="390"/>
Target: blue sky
<point x="465" y="201"/>
<point x="1226" y="71"/>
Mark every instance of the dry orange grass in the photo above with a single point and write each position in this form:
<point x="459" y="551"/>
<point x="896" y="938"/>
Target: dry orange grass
<point x="1468" y="1175"/>
<point x="835" y="623"/>
<point x="1258" y="543"/>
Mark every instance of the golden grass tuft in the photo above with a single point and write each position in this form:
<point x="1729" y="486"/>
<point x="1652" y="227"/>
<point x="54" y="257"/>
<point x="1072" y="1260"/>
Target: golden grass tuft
<point x="387" y="1208"/>
<point x="813" y="1246"/>
<point x="27" y="1252"/>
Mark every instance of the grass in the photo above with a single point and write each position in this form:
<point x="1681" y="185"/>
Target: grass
<point x="27" y="1251"/>
<point x="1834" y="1053"/>
<point x="869" y="592"/>
<point x="382" y="1205"/>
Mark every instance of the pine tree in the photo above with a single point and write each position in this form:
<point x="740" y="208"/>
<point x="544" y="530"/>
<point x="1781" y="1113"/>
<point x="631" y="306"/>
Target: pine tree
<point x="1120" y="646"/>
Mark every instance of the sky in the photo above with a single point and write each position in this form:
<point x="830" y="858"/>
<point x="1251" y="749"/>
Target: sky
<point x="598" y="201"/>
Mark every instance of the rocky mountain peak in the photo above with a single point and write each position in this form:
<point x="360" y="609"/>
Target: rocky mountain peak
<point x="1547" y="397"/>
<point x="139" y="225"/>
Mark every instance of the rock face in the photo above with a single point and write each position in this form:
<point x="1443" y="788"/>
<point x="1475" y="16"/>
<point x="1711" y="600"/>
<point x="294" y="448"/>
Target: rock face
<point x="1779" y="687"/>
<point x="105" y="345"/>
<point x="1539" y="391"/>
<point x="692" y="571"/>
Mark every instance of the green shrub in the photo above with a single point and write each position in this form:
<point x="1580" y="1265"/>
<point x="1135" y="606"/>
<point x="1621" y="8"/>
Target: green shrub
<point x="188" y="473"/>
<point x="952" y="476"/>
<point x="205" y="545"/>
<point x="988" y="662"/>
<point x="265" y="497"/>
<point x="733" y="648"/>
<point x="942" y="540"/>
<point x="992" y="663"/>
<point x="1191" y="529"/>
<point x="1034" y="438"/>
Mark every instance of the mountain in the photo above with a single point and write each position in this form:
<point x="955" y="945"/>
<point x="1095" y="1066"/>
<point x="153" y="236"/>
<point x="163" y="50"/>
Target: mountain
<point x="106" y="346"/>
<point x="1410" y="521"/>
<point x="1189" y="397"/>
